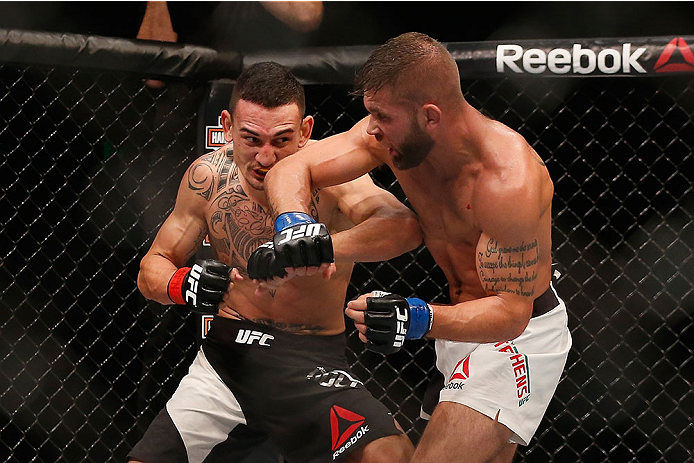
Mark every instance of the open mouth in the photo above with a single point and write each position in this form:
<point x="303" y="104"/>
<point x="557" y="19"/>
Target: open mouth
<point x="260" y="172"/>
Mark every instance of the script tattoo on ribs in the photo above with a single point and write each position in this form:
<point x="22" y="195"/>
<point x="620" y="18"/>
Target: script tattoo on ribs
<point x="509" y="269"/>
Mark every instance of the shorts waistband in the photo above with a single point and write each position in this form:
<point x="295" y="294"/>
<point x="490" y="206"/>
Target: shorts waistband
<point x="226" y="330"/>
<point x="544" y="303"/>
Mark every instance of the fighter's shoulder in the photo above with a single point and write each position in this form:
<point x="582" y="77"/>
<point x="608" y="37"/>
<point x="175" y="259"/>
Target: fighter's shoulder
<point x="207" y="172"/>
<point x="512" y="180"/>
<point x="222" y="156"/>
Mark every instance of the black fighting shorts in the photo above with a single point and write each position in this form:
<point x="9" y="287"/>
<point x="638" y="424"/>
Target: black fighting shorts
<point x="250" y="381"/>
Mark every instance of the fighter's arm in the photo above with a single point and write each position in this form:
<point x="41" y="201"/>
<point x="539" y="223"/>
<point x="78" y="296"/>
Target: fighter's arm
<point x="384" y="227"/>
<point x="179" y="237"/>
<point x="507" y="265"/>
<point x="332" y="161"/>
<point x="507" y="261"/>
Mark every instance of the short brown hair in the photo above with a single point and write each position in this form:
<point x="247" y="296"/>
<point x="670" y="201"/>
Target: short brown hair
<point x="399" y="56"/>
<point x="268" y="84"/>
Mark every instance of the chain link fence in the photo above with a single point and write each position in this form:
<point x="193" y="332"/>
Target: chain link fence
<point x="90" y="165"/>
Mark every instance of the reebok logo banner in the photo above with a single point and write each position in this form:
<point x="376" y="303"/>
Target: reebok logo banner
<point x="573" y="60"/>
<point x="676" y="57"/>
<point x="633" y="56"/>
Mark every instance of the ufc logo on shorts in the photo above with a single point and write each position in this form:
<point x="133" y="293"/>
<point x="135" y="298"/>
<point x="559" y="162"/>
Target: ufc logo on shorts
<point x="193" y="279"/>
<point x="250" y="336"/>
<point x="311" y="229"/>
<point x="401" y="313"/>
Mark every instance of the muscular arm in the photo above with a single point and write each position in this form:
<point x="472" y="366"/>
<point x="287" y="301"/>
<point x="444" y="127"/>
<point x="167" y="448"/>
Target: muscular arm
<point x="384" y="228"/>
<point x="508" y="262"/>
<point x="505" y="312"/>
<point x="332" y="161"/>
<point x="178" y="238"/>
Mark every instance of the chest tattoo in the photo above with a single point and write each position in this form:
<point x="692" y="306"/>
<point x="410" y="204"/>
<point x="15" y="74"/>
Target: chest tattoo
<point x="237" y="224"/>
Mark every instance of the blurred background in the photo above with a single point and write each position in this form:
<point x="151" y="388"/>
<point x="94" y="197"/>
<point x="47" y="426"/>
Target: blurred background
<point x="91" y="160"/>
<point x="359" y="23"/>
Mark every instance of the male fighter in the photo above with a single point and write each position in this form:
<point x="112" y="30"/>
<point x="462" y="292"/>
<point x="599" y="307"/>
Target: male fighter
<point x="483" y="198"/>
<point x="273" y="363"/>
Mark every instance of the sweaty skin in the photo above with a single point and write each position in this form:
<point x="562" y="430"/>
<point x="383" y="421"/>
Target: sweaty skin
<point x="485" y="217"/>
<point x="483" y="199"/>
<point x="221" y="196"/>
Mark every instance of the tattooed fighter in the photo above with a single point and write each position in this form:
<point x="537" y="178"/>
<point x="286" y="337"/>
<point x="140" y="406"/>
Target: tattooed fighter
<point x="483" y="198"/>
<point x="273" y="363"/>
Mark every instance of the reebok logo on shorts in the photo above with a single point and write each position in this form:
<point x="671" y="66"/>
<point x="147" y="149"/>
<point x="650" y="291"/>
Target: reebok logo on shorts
<point x="353" y="425"/>
<point x="460" y="372"/>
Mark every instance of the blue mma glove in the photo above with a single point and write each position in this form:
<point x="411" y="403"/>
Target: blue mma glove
<point x="301" y="242"/>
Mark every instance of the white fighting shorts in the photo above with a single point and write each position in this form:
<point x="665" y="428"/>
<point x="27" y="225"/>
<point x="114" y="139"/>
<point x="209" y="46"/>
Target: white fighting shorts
<point x="514" y="379"/>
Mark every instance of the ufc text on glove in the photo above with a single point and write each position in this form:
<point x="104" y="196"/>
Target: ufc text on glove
<point x="301" y="242"/>
<point x="200" y="287"/>
<point x="391" y="319"/>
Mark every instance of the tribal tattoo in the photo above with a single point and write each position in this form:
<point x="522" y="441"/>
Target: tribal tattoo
<point x="237" y="224"/>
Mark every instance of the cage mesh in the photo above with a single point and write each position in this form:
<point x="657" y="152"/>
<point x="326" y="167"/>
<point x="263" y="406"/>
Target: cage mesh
<point x="89" y="170"/>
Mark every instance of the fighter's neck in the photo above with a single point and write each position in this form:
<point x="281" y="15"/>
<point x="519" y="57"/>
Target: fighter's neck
<point x="257" y="196"/>
<point x="453" y="153"/>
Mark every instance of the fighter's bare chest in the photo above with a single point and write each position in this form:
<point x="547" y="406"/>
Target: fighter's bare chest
<point x="451" y="235"/>
<point x="238" y="224"/>
<point x="446" y="215"/>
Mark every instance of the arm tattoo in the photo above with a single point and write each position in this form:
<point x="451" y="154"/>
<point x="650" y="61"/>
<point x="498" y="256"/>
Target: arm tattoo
<point x="509" y="269"/>
<point x="201" y="179"/>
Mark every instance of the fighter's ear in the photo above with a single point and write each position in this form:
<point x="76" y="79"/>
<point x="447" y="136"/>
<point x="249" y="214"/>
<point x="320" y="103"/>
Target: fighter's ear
<point x="226" y="125"/>
<point x="305" y="132"/>
<point x="431" y="115"/>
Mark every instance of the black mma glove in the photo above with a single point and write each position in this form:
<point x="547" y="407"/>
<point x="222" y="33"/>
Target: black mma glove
<point x="390" y="319"/>
<point x="301" y="242"/>
<point x="200" y="287"/>
<point x="263" y="265"/>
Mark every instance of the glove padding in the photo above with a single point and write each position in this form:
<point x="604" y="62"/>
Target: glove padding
<point x="300" y="242"/>
<point x="201" y="287"/>
<point x="390" y="319"/>
<point x="263" y="263"/>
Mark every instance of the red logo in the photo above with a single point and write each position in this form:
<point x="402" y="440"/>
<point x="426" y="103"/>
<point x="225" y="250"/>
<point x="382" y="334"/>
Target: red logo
<point x="461" y="371"/>
<point x="353" y="422"/>
<point x="206" y="323"/>
<point x="677" y="44"/>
